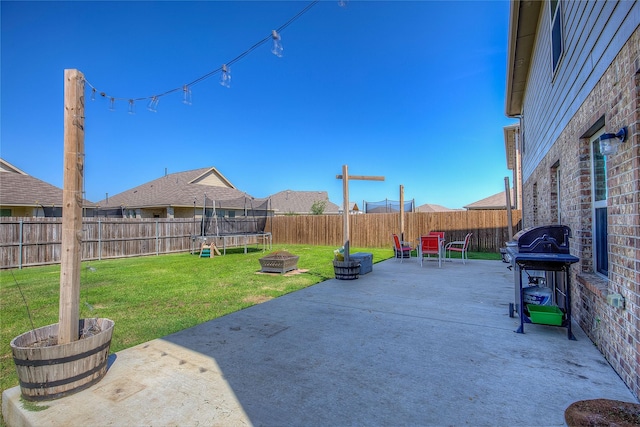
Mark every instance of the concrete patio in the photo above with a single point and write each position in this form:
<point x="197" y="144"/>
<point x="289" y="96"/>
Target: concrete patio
<point x="401" y="346"/>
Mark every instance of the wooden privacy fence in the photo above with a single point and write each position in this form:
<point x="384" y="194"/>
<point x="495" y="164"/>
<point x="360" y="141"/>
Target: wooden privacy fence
<point x="489" y="228"/>
<point x="36" y="241"/>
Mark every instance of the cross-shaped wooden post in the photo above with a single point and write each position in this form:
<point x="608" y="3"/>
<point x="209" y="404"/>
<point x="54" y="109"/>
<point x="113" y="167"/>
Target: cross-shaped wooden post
<point x="345" y="202"/>
<point x="402" y="212"/>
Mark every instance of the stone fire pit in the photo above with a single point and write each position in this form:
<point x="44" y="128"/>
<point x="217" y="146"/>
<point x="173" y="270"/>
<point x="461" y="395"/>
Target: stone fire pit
<point x="279" y="262"/>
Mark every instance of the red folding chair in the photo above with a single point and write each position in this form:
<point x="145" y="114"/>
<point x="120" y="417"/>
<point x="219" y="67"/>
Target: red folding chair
<point x="461" y="246"/>
<point x="430" y="245"/>
<point x="402" y="250"/>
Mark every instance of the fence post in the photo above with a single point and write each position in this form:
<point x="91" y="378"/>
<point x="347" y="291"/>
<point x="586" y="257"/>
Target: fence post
<point x="157" y="238"/>
<point x="99" y="239"/>
<point x="20" y="245"/>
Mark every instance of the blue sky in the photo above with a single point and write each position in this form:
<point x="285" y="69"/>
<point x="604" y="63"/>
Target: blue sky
<point x="410" y="90"/>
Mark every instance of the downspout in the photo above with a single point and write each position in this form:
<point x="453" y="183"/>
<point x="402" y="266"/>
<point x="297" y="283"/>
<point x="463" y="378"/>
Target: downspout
<point x="519" y="144"/>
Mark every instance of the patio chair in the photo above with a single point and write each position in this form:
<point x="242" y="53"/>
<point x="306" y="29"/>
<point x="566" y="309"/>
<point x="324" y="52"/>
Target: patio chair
<point x="440" y="234"/>
<point x="461" y="246"/>
<point x="401" y="249"/>
<point x="430" y="245"/>
<point x="437" y="233"/>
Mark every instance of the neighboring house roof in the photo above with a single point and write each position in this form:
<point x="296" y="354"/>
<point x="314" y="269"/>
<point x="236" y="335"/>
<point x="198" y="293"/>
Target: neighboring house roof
<point x="8" y="167"/>
<point x="17" y="188"/>
<point x="353" y="207"/>
<point x="497" y="201"/>
<point x="300" y="202"/>
<point x="433" y="208"/>
<point x="180" y="189"/>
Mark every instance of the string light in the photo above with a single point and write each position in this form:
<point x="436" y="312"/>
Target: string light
<point x="225" y="76"/>
<point x="153" y="104"/>
<point x="186" y="95"/>
<point x="224" y="70"/>
<point x="277" y="48"/>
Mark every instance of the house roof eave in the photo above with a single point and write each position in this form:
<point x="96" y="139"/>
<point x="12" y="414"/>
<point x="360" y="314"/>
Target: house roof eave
<point x="510" y="144"/>
<point x="523" y="26"/>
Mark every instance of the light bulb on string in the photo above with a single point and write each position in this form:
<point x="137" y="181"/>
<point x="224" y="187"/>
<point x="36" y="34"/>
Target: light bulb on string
<point x="186" y="95"/>
<point x="277" y="48"/>
<point x="225" y="76"/>
<point x="343" y="3"/>
<point x="153" y="104"/>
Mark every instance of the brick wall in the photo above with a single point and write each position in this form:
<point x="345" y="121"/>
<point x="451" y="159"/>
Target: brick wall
<point x="613" y="103"/>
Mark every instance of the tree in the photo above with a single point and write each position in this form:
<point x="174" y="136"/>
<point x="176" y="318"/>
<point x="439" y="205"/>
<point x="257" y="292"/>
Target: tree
<point x="318" y="207"/>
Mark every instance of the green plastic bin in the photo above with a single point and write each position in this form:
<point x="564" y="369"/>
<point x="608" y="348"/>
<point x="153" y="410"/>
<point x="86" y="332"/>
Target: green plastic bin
<point x="545" y="314"/>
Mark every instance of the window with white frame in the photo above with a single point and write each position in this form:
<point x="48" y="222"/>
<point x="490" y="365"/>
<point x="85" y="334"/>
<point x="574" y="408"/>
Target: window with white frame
<point x="599" y="192"/>
<point x="557" y="45"/>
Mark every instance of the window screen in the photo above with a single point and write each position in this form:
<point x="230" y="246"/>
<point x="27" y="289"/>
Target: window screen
<point x="556" y="32"/>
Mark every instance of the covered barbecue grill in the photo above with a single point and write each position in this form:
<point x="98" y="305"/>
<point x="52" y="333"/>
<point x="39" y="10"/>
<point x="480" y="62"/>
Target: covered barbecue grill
<point x="540" y="256"/>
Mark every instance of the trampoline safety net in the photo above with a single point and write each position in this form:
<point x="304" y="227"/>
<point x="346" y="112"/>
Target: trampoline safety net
<point x="250" y="216"/>
<point x="388" y="206"/>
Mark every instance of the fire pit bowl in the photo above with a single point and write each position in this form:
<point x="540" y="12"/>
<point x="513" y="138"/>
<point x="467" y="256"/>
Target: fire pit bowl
<point x="279" y="262"/>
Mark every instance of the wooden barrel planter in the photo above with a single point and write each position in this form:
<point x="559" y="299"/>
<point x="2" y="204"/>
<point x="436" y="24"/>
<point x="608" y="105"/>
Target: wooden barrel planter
<point x="346" y="270"/>
<point x="48" y="371"/>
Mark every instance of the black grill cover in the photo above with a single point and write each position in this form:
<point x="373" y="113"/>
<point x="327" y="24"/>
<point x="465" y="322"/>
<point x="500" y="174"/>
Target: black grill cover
<point x="544" y="239"/>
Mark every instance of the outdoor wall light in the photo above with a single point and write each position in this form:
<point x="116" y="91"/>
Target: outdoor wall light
<point x="609" y="142"/>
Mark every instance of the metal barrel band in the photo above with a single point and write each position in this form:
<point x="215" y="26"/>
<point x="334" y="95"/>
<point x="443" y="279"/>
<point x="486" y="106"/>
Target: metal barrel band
<point x="66" y="380"/>
<point x="44" y="362"/>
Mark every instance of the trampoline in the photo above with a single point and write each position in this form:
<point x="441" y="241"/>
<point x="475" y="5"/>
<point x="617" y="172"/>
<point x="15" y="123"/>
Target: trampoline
<point x="234" y="223"/>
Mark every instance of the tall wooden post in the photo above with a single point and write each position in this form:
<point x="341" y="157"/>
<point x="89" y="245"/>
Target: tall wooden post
<point x="345" y="211"/>
<point x="345" y="203"/>
<point x="71" y="256"/>
<point x="402" y="212"/>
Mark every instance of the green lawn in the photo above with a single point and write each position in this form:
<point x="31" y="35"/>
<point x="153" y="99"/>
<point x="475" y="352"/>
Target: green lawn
<point x="150" y="297"/>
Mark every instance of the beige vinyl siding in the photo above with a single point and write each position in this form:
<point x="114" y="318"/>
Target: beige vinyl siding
<point x="593" y="33"/>
<point x="212" y="180"/>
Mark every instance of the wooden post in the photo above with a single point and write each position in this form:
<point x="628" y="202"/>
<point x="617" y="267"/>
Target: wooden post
<point x="345" y="202"/>
<point x="71" y="239"/>
<point x="507" y="192"/>
<point x="345" y="211"/>
<point x="402" y="212"/>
